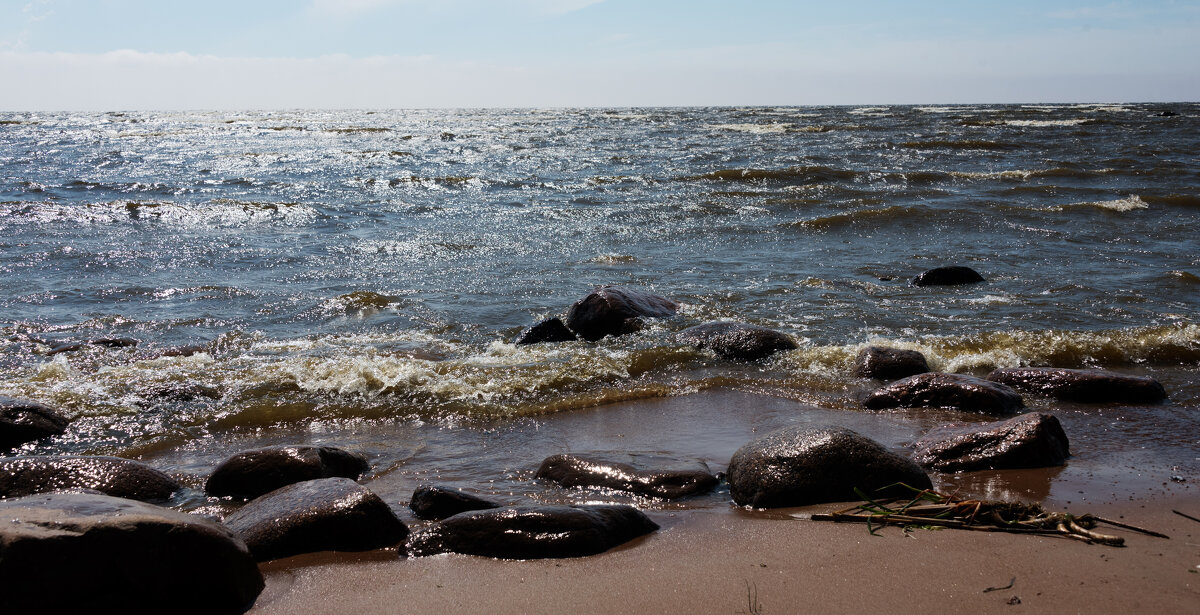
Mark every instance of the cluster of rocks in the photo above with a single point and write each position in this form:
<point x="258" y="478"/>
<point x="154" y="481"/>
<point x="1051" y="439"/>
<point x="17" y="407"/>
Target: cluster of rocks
<point x="71" y="517"/>
<point x="1029" y="440"/>
<point x="615" y="310"/>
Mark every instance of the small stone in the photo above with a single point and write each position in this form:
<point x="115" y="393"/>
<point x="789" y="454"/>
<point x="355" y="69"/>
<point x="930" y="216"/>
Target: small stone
<point x="576" y="471"/>
<point x="250" y="474"/>
<point x="938" y="390"/>
<point x="889" y="363"/>
<point x="947" y="276"/>
<point x="1032" y="440"/>
<point x="549" y="330"/>
<point x="737" y="341"/>
<point x="123" y="478"/>
<point x="798" y="465"/>
<point x="1083" y="385"/>
<point x="328" y="514"/>
<point x="535" y="532"/>
<point x="434" y="502"/>
<point x="615" y="310"/>
<point x="23" y="421"/>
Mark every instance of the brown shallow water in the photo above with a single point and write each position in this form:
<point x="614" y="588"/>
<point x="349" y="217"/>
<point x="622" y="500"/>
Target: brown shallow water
<point x="1119" y="452"/>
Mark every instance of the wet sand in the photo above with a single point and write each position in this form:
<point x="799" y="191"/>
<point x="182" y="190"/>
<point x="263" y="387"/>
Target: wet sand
<point x="739" y="562"/>
<point x="711" y="557"/>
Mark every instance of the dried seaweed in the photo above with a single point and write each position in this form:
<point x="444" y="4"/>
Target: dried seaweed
<point x="930" y="509"/>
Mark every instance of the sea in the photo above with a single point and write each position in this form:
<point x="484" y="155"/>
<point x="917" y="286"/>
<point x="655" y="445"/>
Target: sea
<point x="186" y="285"/>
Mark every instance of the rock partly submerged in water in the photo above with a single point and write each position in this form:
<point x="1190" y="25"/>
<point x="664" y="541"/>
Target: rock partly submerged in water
<point x="328" y="514"/>
<point x="1031" y="440"/>
<point x="122" y="478"/>
<point x="75" y="553"/>
<point x="799" y="465"/>
<point x="947" y="276"/>
<point x="436" y="502"/>
<point x="737" y="341"/>
<point x="549" y="330"/>
<point x="575" y="471"/>
<point x="938" y="390"/>
<point x="615" y="310"/>
<point x="535" y="532"/>
<point x="1085" y="385"/>
<point x="250" y="474"/>
<point x="889" y="363"/>
<point x="23" y="421"/>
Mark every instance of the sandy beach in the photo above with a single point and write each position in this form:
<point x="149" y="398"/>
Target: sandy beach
<point x="774" y="562"/>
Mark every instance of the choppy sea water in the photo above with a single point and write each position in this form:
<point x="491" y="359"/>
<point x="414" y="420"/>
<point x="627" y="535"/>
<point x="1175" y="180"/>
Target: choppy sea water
<point x="356" y="277"/>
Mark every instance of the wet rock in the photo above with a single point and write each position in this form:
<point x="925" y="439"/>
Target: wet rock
<point x="250" y="474"/>
<point x="939" y="390"/>
<point x="576" y="471"/>
<point x="1166" y="113"/>
<point x="434" y="502"/>
<point x="1032" y="440"/>
<point x="889" y="363"/>
<point x="615" y="310"/>
<point x="535" y="532"/>
<point x="104" y="342"/>
<point x="549" y="330"/>
<point x="122" y="478"/>
<point x="1086" y="385"/>
<point x="180" y="392"/>
<point x="737" y="341"/>
<point x="24" y="421"/>
<point x="947" y="276"/>
<point x="799" y="465"/>
<point x="74" y="553"/>
<point x="328" y="514"/>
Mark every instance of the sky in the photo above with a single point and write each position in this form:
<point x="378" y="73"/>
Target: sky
<point x="274" y="54"/>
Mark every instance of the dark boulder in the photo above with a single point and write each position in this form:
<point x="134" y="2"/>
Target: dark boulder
<point x="549" y="330"/>
<point x="575" y="471"/>
<point x="74" y="553"/>
<point x="798" y="465"/>
<point x="1165" y="113"/>
<point x="947" y="276"/>
<point x="1086" y="385"/>
<point x="122" y="478"/>
<point x="889" y="363"/>
<point x="328" y="514"/>
<point x="535" y="532"/>
<point x="737" y="341"/>
<point x="250" y="474"/>
<point x="615" y="310"/>
<point x="24" y="421"/>
<point x="180" y="392"/>
<point x="434" y="502"/>
<point x="939" y="390"/>
<point x="1032" y="440"/>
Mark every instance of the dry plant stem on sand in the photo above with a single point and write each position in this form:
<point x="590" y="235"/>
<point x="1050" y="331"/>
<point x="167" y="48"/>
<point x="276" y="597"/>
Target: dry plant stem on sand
<point x="930" y="509"/>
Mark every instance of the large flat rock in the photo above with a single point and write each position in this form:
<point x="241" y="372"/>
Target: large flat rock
<point x="81" y="553"/>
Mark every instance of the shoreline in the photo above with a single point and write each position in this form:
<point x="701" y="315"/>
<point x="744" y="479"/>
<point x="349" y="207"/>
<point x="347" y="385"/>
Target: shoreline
<point x="739" y="561"/>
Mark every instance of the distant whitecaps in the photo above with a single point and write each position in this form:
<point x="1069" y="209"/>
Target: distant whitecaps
<point x="1041" y="123"/>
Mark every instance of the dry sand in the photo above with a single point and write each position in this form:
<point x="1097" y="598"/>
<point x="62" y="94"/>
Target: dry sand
<point x="772" y="562"/>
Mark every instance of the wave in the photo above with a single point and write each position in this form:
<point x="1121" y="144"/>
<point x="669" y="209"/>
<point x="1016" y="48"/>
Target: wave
<point x="806" y="174"/>
<point x="964" y="144"/>
<point x="1130" y="203"/>
<point x="1174" y="200"/>
<point x="878" y="216"/>
<point x="1045" y="123"/>
<point x="220" y="212"/>
<point x="257" y="383"/>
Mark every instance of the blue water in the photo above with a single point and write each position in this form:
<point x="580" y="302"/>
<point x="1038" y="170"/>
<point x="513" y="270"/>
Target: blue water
<point x="326" y="268"/>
